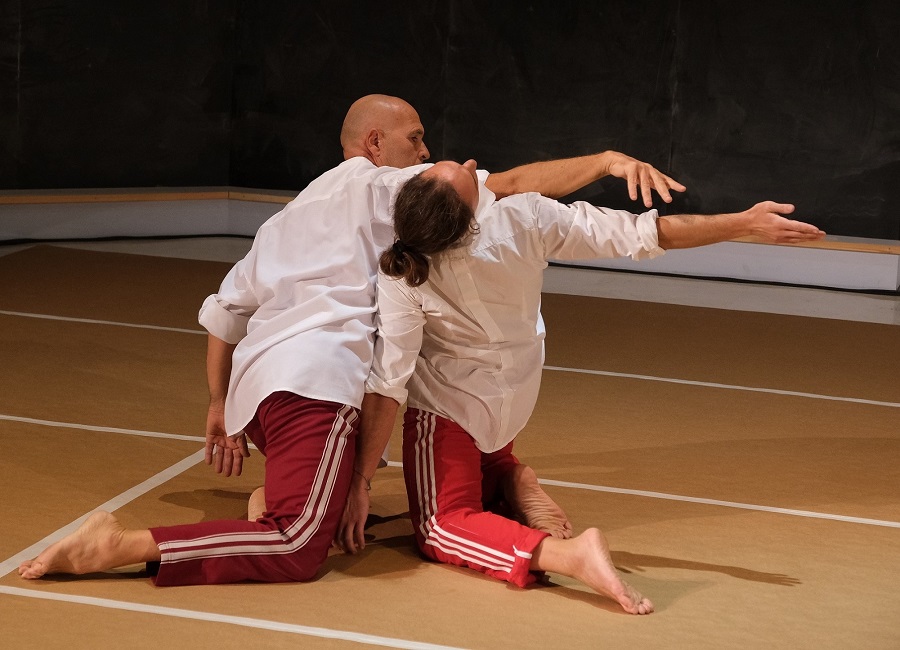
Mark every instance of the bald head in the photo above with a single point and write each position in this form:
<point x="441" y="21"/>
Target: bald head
<point x="384" y="129"/>
<point x="461" y="178"/>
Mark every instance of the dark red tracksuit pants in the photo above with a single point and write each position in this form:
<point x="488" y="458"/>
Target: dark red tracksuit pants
<point x="448" y="481"/>
<point x="310" y="447"/>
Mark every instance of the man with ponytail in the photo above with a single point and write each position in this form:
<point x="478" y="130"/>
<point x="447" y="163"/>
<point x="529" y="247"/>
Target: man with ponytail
<point x="289" y="350"/>
<point x="460" y="337"/>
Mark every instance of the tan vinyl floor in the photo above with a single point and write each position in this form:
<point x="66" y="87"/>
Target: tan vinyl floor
<point x="745" y="468"/>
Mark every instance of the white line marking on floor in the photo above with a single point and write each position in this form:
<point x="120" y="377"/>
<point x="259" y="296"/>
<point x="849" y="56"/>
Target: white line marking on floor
<point x="110" y="506"/>
<point x="101" y="322"/>
<point x="604" y="373"/>
<point x="727" y="504"/>
<point x="706" y="384"/>
<point x="262" y="624"/>
<point x="710" y="502"/>
<point x="90" y="427"/>
<point x="581" y="486"/>
<point x="126" y="497"/>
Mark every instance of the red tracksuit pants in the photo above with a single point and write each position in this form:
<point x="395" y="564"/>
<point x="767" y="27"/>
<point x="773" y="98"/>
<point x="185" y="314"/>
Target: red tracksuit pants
<point x="309" y="447"/>
<point x="449" y="483"/>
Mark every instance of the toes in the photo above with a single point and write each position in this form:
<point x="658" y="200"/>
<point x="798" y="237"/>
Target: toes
<point x="31" y="570"/>
<point x="645" y="607"/>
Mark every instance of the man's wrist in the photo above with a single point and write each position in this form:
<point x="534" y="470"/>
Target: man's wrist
<point x="744" y="224"/>
<point x="366" y="481"/>
<point x="604" y="162"/>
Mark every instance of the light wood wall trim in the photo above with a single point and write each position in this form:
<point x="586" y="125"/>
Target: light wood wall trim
<point x="244" y="195"/>
<point x="828" y="244"/>
<point x="38" y="199"/>
<point x="20" y="198"/>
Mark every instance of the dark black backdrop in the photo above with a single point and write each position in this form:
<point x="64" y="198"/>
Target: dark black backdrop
<point x="741" y="101"/>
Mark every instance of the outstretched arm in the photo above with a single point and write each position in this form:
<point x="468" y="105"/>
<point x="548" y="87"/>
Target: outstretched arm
<point x="557" y="178"/>
<point x="762" y="222"/>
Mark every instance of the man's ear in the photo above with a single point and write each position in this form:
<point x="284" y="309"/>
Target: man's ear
<point x="373" y="144"/>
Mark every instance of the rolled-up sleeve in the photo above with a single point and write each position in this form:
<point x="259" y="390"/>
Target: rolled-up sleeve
<point x="225" y="314"/>
<point x="584" y="231"/>
<point x="400" y="322"/>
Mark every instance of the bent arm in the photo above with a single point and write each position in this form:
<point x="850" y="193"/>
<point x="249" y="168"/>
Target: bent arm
<point x="557" y="178"/>
<point x="399" y="321"/>
<point x="764" y="222"/>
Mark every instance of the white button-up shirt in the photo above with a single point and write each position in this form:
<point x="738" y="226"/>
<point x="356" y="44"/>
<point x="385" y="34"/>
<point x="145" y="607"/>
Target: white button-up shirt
<point x="301" y="304"/>
<point x="469" y="343"/>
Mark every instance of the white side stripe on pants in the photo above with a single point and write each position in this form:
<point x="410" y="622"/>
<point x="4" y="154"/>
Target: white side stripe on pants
<point x="298" y="533"/>
<point x="426" y="487"/>
<point x="466" y="549"/>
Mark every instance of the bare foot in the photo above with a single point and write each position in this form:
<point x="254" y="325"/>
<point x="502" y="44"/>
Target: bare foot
<point x="256" y="507"/>
<point x="586" y="558"/>
<point x="533" y="505"/>
<point x="99" y="544"/>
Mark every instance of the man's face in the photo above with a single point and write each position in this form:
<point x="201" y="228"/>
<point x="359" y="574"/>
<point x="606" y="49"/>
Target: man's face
<point x="461" y="177"/>
<point x="403" y="142"/>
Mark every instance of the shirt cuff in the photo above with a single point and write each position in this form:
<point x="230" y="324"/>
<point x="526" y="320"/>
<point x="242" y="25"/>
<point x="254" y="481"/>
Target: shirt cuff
<point x="375" y="384"/>
<point x="221" y="323"/>
<point x="649" y="234"/>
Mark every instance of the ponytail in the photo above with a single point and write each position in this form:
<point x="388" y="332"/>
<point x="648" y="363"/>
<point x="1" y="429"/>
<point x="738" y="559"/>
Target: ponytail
<point x="402" y="261"/>
<point x="429" y="218"/>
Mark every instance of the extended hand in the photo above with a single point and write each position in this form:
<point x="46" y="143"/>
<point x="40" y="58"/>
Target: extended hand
<point x="647" y="176"/>
<point x="768" y="225"/>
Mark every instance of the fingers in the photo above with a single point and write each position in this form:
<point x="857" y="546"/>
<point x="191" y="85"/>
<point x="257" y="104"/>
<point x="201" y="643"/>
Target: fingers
<point x="655" y="179"/>
<point x="780" y="208"/>
<point x="799" y="238"/>
<point x="806" y="235"/>
<point x="244" y="449"/>
<point x="232" y="462"/>
<point x="647" y="186"/>
<point x="632" y="179"/>
<point x="650" y="178"/>
<point x="237" y="462"/>
<point x="786" y="231"/>
<point x="227" y="461"/>
<point x="228" y="457"/>
<point x="344" y="539"/>
<point x="806" y="228"/>
<point x="224" y="460"/>
<point x="793" y="232"/>
<point x="353" y="538"/>
<point x="647" y="176"/>
<point x="673" y="184"/>
<point x="218" y="458"/>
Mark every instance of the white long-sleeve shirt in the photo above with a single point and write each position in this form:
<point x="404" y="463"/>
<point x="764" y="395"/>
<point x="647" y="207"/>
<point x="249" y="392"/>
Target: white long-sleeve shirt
<point x="300" y="306"/>
<point x="469" y="343"/>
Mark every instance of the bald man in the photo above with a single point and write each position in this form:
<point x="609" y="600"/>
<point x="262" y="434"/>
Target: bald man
<point x="289" y="350"/>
